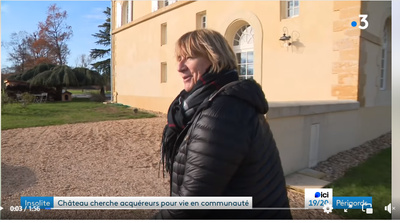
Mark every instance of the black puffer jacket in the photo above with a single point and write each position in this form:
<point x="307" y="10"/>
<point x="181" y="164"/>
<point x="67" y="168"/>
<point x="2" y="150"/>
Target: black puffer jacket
<point x="229" y="150"/>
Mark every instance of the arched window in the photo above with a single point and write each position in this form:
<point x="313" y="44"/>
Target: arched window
<point x="243" y="46"/>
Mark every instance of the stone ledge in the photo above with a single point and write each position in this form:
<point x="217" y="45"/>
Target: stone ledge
<point x="312" y="173"/>
<point x="301" y="108"/>
<point x="299" y="182"/>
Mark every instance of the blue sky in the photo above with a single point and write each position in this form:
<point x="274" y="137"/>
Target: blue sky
<point x="83" y="16"/>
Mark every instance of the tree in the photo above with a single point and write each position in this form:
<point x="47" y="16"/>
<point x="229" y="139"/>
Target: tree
<point x="47" y="45"/>
<point x="6" y="71"/>
<point x="63" y="76"/>
<point x="56" y="33"/>
<point x="19" y="54"/>
<point x="83" y="60"/>
<point x="41" y="50"/>
<point x="31" y="73"/>
<point x="104" y="39"/>
<point x="27" y="51"/>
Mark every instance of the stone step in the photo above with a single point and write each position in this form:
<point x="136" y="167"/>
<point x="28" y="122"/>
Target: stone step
<point x="299" y="182"/>
<point x="312" y="173"/>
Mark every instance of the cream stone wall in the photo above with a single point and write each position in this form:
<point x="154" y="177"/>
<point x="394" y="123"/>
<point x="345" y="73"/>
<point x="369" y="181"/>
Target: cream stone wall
<point x="338" y="131"/>
<point x="346" y="49"/>
<point x="370" y="59"/>
<point x="327" y="62"/>
<point x="301" y="71"/>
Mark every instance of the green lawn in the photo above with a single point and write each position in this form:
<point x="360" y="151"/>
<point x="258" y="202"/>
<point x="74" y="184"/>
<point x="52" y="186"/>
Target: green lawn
<point x="372" y="178"/>
<point x="57" y="113"/>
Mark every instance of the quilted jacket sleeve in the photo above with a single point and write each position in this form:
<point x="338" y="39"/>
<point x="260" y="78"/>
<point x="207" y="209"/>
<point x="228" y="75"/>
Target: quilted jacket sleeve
<point x="214" y="150"/>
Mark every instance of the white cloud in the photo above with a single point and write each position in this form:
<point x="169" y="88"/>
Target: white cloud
<point x="5" y="8"/>
<point x="96" y="13"/>
<point x="95" y="16"/>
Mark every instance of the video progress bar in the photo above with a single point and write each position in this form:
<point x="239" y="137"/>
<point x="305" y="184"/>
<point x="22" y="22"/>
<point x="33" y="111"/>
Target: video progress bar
<point x="188" y="209"/>
<point x="279" y="209"/>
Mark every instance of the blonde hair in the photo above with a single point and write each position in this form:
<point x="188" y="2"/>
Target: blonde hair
<point x="209" y="44"/>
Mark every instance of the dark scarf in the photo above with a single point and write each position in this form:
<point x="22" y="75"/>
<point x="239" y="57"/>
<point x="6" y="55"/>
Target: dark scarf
<point x="182" y="110"/>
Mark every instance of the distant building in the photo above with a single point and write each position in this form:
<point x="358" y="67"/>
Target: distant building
<point x="13" y="83"/>
<point x="328" y="85"/>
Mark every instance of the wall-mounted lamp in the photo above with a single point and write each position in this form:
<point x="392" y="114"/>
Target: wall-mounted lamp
<point x="285" y="38"/>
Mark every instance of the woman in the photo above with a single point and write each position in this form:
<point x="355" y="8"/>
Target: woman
<point x="217" y="141"/>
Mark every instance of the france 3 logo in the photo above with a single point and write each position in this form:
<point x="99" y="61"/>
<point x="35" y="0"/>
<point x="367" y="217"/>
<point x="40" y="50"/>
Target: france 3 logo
<point x="316" y="198"/>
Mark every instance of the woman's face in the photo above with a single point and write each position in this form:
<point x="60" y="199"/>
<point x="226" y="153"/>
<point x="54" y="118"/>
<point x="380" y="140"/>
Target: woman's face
<point x="191" y="69"/>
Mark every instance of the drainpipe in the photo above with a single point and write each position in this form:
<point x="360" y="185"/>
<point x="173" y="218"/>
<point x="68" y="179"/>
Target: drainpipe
<point x="112" y="46"/>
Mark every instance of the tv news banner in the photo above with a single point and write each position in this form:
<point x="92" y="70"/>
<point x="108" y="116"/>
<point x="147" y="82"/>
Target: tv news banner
<point x="314" y="198"/>
<point x="49" y="203"/>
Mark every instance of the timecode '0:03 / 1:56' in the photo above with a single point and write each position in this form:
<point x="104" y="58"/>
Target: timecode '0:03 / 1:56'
<point x="20" y="208"/>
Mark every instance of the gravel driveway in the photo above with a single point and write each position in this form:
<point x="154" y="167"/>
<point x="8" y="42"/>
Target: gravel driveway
<point x="111" y="158"/>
